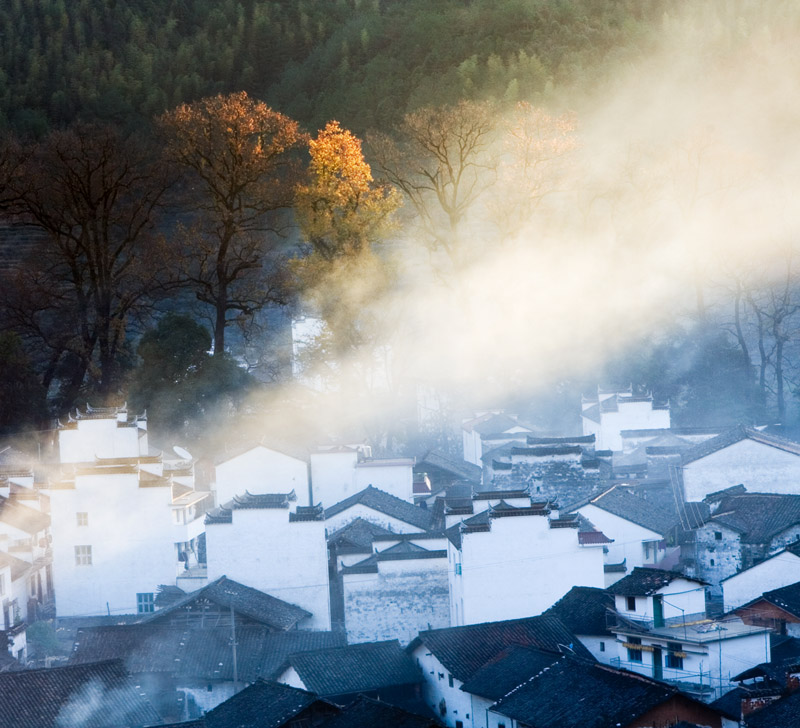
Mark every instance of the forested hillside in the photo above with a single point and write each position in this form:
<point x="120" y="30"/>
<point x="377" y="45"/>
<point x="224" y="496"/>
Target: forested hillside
<point x="363" y="62"/>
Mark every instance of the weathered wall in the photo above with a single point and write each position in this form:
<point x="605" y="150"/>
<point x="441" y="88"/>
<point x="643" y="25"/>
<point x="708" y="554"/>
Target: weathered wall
<point x="401" y="600"/>
<point x="716" y="558"/>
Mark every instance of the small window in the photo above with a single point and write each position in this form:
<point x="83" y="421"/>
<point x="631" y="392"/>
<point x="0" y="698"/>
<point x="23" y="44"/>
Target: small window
<point x="458" y="569"/>
<point x="674" y="657"/>
<point x="459" y="724"/>
<point x="145" y="603"/>
<point x="450" y="680"/>
<point x="718" y="535"/>
<point x="634" y="649"/>
<point x="501" y="725"/>
<point x="82" y="519"/>
<point x="712" y="562"/>
<point x="83" y="556"/>
<point x="602" y="647"/>
<point x="630" y="604"/>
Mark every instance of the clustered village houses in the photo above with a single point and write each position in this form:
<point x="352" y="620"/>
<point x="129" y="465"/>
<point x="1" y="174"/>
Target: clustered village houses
<point x="634" y="575"/>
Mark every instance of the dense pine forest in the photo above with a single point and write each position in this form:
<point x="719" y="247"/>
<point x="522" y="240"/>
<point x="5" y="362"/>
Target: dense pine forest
<point x="374" y="164"/>
<point x="362" y="62"/>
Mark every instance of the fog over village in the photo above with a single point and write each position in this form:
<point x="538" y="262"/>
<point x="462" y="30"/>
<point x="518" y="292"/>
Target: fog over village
<point x="372" y="363"/>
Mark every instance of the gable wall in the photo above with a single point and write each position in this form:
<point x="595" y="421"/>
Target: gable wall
<point x="780" y="570"/>
<point x="436" y="688"/>
<point x="761" y="468"/>
<point x="262" y="470"/>
<point x="263" y="550"/>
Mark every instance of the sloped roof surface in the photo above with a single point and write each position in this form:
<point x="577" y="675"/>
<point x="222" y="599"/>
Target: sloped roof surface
<point x="577" y="694"/>
<point x="786" y="597"/>
<point x="758" y="517"/>
<point x="262" y="705"/>
<point x="784" y="713"/>
<point x="367" y="713"/>
<point x="643" y="582"/>
<point x="91" y="696"/>
<point x="386" y="503"/>
<point x="583" y="610"/>
<point x="203" y="654"/>
<point x="22" y="517"/>
<point x="358" y="532"/>
<point x="244" y="600"/>
<point x="458" y="467"/>
<point x="463" y="650"/>
<point x="508" y="669"/>
<point x="497" y="423"/>
<point x="355" y="668"/>
<point x="734" y="435"/>
<point x="624" y="504"/>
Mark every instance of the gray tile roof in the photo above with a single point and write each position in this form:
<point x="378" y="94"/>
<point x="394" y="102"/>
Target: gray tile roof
<point x="357" y="533"/>
<point x="387" y="504"/>
<point x="265" y="705"/>
<point x="624" y="504"/>
<point x="644" y="582"/>
<point x="734" y="435"/>
<point x="403" y="551"/>
<point x="757" y="517"/>
<point x="198" y="654"/>
<point x="463" y="650"/>
<point x="244" y="600"/>
<point x="22" y="517"/>
<point x="575" y="694"/>
<point x="99" y="695"/>
<point x="457" y="467"/>
<point x="355" y="668"/>
<point x="583" y="610"/>
<point x="508" y="669"/>
<point x="367" y="713"/>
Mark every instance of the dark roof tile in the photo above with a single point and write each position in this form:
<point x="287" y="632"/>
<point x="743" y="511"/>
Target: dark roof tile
<point x="644" y="582"/>
<point x="244" y="600"/>
<point x="387" y="504"/>
<point x="367" y="713"/>
<point x="463" y="650"/>
<point x="264" y="705"/>
<point x="355" y="668"/>
<point x="99" y="695"/>
<point x="583" y="610"/>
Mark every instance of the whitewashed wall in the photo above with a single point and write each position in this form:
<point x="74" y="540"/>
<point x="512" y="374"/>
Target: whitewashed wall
<point x="780" y="570"/>
<point x="761" y="468"/>
<point x="436" y="687"/>
<point x="261" y="548"/>
<point x="262" y="470"/>
<point x="395" y="476"/>
<point x="519" y="568"/>
<point x="132" y="539"/>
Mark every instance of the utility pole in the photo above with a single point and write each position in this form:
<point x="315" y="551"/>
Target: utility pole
<point x="233" y="646"/>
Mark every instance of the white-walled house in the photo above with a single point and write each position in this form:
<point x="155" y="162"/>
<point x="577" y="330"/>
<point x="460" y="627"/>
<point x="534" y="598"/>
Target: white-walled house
<point x="762" y="463"/>
<point x="608" y="413"/>
<point x="662" y="631"/>
<point x="639" y="528"/>
<point x="261" y="469"/>
<point x="267" y="542"/>
<point x="780" y="569"/>
<point x="121" y="527"/>
<point x="340" y="472"/>
<point x="508" y="562"/>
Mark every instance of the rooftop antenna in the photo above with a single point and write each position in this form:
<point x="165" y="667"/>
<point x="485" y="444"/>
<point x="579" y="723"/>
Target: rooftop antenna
<point x="182" y="452"/>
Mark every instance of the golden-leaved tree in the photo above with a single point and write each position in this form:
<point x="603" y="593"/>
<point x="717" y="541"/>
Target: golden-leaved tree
<point x="242" y="167"/>
<point x="343" y="215"/>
